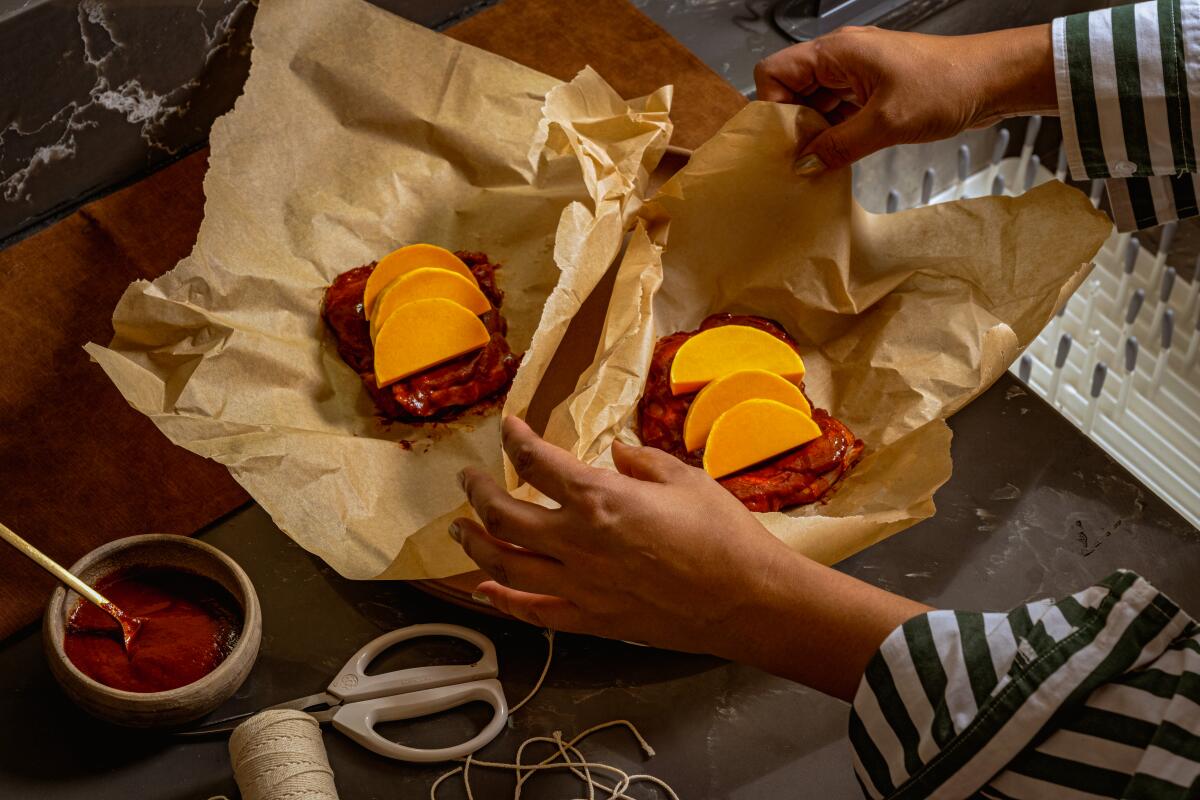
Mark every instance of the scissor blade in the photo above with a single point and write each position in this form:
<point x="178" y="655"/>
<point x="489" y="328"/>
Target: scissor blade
<point x="224" y="726"/>
<point x="227" y="724"/>
<point x="325" y="715"/>
<point x="305" y="703"/>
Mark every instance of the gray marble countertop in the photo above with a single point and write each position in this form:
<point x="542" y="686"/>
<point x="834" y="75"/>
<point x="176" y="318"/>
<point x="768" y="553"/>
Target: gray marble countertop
<point x="1033" y="509"/>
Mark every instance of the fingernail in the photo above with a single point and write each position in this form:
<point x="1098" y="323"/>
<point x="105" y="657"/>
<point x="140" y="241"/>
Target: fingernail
<point x="481" y="598"/>
<point x="456" y="532"/>
<point x="462" y="480"/>
<point x="810" y="164"/>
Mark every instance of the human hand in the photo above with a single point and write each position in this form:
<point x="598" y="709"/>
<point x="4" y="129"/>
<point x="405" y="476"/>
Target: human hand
<point x="879" y="88"/>
<point x="658" y="552"/>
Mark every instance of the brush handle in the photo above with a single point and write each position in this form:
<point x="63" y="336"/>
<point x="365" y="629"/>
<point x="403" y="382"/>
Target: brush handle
<point x="50" y="565"/>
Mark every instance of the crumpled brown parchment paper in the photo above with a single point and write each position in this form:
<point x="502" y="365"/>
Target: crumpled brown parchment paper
<point x="359" y="132"/>
<point x="903" y="318"/>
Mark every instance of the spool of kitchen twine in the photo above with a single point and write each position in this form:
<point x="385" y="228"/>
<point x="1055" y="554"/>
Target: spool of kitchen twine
<point x="279" y="754"/>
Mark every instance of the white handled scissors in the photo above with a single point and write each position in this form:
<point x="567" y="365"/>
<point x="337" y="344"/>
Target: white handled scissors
<point x="356" y="702"/>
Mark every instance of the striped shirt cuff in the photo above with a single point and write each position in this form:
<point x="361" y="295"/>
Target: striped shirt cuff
<point x="1066" y="699"/>
<point x="1139" y="203"/>
<point x="1127" y="80"/>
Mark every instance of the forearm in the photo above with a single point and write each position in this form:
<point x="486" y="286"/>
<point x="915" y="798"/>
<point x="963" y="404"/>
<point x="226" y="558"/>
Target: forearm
<point x="815" y="625"/>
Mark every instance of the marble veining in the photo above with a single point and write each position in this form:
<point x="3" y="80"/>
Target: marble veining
<point x="731" y="36"/>
<point x="144" y="71"/>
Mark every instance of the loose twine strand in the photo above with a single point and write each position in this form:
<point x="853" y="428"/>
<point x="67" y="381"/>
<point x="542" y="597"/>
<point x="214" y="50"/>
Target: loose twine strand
<point x="279" y="755"/>
<point x="564" y="750"/>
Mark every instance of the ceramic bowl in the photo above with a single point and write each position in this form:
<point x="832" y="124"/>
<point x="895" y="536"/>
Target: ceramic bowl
<point x="176" y="706"/>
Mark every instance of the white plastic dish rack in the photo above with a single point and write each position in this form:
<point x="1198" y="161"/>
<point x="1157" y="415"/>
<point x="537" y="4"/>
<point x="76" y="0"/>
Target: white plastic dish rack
<point x="1122" y="360"/>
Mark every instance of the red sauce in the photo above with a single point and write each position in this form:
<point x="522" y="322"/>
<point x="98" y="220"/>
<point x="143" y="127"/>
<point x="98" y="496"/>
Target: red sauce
<point x="191" y="625"/>
<point x="798" y="477"/>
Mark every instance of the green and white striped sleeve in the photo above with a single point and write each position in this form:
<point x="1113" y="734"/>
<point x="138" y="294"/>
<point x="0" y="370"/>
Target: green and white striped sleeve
<point x="1128" y="81"/>
<point x="1095" y="695"/>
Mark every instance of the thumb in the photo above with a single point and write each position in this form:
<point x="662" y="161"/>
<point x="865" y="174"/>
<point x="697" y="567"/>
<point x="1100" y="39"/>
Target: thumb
<point x="847" y="142"/>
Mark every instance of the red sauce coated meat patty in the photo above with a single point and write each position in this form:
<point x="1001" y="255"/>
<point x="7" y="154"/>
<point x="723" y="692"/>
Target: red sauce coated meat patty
<point x="441" y="392"/>
<point x="795" y="478"/>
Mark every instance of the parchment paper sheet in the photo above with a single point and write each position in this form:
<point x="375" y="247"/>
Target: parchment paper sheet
<point x="903" y="318"/>
<point x="359" y="132"/>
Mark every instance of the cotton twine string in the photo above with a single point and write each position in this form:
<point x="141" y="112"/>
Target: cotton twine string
<point x="279" y="755"/>
<point x="564" y="755"/>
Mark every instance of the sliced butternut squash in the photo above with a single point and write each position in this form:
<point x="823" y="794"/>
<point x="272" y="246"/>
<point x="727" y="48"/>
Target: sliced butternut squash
<point x="717" y="352"/>
<point x="724" y="393"/>
<point x="423" y="334"/>
<point x="423" y="283"/>
<point x="753" y="431"/>
<point x="406" y="259"/>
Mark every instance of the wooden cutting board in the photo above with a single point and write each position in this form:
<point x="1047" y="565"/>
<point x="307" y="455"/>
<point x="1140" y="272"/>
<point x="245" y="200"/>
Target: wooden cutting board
<point x="78" y="467"/>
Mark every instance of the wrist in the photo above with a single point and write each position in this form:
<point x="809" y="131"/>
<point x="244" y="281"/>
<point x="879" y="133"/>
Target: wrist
<point x="774" y="613"/>
<point x="815" y="625"/>
<point x="1017" y="73"/>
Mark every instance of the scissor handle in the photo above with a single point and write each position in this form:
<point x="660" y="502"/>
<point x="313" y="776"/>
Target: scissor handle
<point x="354" y="684"/>
<point x="358" y="720"/>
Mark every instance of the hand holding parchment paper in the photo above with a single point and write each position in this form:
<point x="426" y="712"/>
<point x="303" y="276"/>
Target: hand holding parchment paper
<point x="902" y="319"/>
<point x="359" y="132"/>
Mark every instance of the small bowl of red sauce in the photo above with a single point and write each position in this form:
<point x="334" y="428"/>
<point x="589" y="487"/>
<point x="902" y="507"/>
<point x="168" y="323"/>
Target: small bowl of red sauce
<point x="198" y="643"/>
